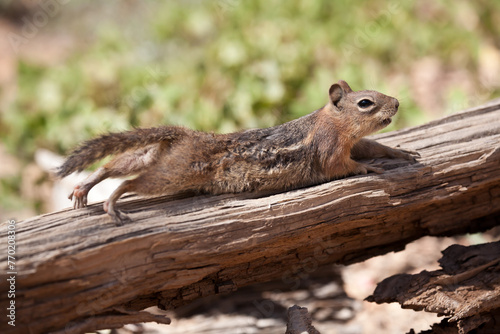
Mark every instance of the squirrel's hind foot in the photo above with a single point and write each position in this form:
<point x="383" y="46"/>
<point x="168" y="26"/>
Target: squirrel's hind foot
<point x="79" y="197"/>
<point x="118" y="217"/>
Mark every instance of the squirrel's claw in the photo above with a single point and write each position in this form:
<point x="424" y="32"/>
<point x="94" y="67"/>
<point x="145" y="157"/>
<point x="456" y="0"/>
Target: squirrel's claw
<point x="374" y="169"/>
<point x="80" y="202"/>
<point x="118" y="217"/>
<point x="409" y="155"/>
<point x="365" y="168"/>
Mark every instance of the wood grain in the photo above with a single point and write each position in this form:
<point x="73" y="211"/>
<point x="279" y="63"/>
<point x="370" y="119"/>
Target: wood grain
<point x="466" y="290"/>
<point x="76" y="266"/>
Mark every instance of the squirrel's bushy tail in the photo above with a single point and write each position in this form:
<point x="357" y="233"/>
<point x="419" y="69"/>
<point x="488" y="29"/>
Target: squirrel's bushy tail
<point x="113" y="143"/>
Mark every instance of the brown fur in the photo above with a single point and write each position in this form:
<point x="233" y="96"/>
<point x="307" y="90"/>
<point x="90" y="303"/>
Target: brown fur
<point x="312" y="149"/>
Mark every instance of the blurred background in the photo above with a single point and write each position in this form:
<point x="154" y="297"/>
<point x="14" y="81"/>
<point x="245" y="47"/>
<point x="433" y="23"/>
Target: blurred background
<point x="70" y="70"/>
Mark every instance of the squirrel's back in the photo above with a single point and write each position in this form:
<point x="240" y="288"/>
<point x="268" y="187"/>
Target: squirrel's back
<point x="278" y="157"/>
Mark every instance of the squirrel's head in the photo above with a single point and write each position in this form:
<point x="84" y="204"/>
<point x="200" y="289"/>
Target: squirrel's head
<point x="367" y="110"/>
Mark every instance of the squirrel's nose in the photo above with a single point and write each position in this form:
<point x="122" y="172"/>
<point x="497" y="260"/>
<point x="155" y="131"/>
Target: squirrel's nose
<point x="396" y="105"/>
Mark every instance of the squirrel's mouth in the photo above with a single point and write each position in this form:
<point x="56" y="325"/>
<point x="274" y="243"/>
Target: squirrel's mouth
<point x="386" y="121"/>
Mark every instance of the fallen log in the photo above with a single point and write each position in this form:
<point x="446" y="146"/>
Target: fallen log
<point x="75" y="267"/>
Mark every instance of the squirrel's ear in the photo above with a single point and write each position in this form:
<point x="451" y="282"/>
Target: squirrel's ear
<point x="336" y="93"/>
<point x="345" y="86"/>
<point x="338" y="90"/>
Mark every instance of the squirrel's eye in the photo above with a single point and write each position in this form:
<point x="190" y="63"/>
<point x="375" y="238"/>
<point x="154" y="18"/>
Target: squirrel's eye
<point x="365" y="103"/>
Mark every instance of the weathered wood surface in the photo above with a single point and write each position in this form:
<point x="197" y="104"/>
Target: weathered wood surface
<point x="299" y="321"/>
<point x="466" y="290"/>
<point x="76" y="267"/>
<point x="265" y="308"/>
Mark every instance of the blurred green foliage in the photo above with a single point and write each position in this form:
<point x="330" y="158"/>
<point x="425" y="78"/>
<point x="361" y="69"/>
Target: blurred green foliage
<point x="230" y="64"/>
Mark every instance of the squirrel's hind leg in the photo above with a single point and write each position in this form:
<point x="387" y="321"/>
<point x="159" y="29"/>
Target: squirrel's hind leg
<point x="148" y="183"/>
<point x="109" y="206"/>
<point x="126" y="164"/>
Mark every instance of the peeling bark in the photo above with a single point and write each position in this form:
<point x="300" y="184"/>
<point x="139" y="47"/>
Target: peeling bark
<point x="466" y="290"/>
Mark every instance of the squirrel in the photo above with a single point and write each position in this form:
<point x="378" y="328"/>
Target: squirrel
<point x="319" y="147"/>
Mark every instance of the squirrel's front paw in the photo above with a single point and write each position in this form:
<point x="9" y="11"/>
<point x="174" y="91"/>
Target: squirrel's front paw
<point x="79" y="197"/>
<point x="374" y="169"/>
<point x="409" y="155"/>
<point x="364" y="169"/>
